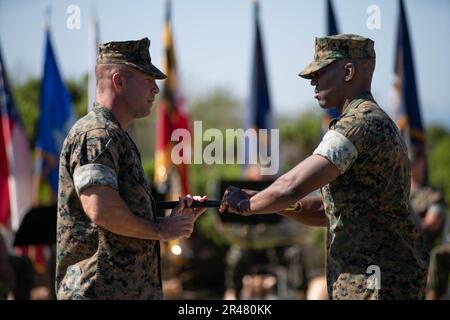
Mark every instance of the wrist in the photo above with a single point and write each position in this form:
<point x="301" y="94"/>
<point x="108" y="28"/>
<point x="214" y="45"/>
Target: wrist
<point x="158" y="230"/>
<point x="243" y="206"/>
<point x="297" y="207"/>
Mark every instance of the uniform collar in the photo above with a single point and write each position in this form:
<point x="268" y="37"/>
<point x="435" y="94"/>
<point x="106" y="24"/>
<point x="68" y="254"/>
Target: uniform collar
<point x="105" y="112"/>
<point x="365" y="96"/>
<point x="356" y="102"/>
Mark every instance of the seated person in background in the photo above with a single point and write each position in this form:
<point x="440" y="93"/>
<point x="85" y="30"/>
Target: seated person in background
<point x="16" y="274"/>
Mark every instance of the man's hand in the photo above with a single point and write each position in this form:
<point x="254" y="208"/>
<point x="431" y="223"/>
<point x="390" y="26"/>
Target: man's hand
<point x="180" y="223"/>
<point x="104" y="206"/>
<point x="175" y="227"/>
<point x="236" y="200"/>
<point x="181" y="208"/>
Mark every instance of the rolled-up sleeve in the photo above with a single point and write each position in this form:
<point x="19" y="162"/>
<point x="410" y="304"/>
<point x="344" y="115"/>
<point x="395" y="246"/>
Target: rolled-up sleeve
<point x="94" y="174"/>
<point x="338" y="150"/>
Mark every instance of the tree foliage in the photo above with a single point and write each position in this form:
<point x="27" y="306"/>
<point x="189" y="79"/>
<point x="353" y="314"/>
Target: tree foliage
<point x="439" y="159"/>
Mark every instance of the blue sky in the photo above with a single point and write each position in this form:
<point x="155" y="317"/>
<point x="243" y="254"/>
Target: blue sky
<point x="214" y="40"/>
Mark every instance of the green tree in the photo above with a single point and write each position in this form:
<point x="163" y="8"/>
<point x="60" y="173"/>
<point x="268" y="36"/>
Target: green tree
<point x="435" y="133"/>
<point x="218" y="109"/>
<point x="78" y="92"/>
<point x="439" y="168"/>
<point x="26" y="97"/>
<point x="299" y="136"/>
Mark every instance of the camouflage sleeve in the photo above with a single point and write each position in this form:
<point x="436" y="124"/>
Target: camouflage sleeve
<point x="95" y="160"/>
<point x="338" y="150"/>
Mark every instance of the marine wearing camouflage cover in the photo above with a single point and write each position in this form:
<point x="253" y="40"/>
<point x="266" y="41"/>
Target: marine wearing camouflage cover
<point x="338" y="47"/>
<point x="426" y="199"/>
<point x="133" y="53"/>
<point x="93" y="263"/>
<point x="367" y="208"/>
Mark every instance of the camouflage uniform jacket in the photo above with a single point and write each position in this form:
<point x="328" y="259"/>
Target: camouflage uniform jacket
<point x="369" y="225"/>
<point x="93" y="263"/>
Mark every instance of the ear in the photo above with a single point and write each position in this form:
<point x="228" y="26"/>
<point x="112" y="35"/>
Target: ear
<point x="349" y="71"/>
<point x="117" y="81"/>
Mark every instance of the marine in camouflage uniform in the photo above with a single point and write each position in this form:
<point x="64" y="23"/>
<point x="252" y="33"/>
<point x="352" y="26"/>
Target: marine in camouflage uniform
<point x="93" y="262"/>
<point x="425" y="200"/>
<point x="374" y="249"/>
<point x="367" y="208"/>
<point x="426" y="203"/>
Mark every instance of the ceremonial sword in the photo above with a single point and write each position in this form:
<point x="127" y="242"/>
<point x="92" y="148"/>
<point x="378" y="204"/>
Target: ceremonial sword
<point x="161" y="205"/>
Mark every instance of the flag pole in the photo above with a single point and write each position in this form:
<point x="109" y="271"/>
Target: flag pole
<point x="37" y="172"/>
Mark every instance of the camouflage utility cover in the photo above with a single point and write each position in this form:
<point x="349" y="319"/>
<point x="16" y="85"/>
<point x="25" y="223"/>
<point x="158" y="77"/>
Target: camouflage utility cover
<point x="338" y="47"/>
<point x="93" y="263"/>
<point x="133" y="53"/>
<point x="369" y="225"/>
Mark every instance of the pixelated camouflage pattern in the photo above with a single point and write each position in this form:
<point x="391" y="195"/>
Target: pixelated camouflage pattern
<point x="439" y="269"/>
<point x="367" y="210"/>
<point x="133" y="53"/>
<point x="338" y="47"/>
<point x="93" y="263"/>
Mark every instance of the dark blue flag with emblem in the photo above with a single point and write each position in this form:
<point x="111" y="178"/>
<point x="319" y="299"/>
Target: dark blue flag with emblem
<point x="56" y="118"/>
<point x="259" y="115"/>
<point x="408" y="116"/>
<point x="332" y="29"/>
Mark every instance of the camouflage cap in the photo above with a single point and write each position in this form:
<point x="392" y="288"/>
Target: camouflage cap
<point x="133" y="53"/>
<point x="338" y="47"/>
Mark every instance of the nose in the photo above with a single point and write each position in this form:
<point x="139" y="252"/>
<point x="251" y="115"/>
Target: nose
<point x="155" y="88"/>
<point x="314" y="81"/>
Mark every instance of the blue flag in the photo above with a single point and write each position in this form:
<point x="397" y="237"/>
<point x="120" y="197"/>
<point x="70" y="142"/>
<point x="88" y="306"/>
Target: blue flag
<point x="408" y="115"/>
<point x="332" y="29"/>
<point x="56" y="118"/>
<point x="259" y="114"/>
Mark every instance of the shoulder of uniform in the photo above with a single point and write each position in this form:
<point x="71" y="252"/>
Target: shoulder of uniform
<point x="372" y="114"/>
<point x="94" y="124"/>
<point x="353" y="119"/>
<point x="369" y="105"/>
<point x="367" y="118"/>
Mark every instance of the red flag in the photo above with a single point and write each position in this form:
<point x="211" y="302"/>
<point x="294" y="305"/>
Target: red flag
<point x="170" y="116"/>
<point x="15" y="160"/>
<point x="16" y="174"/>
